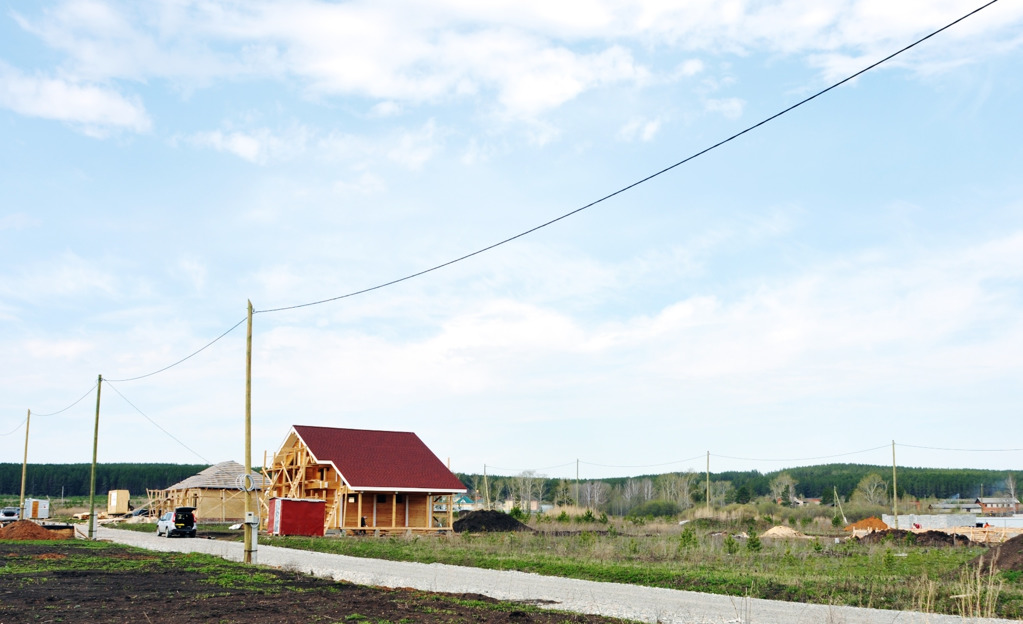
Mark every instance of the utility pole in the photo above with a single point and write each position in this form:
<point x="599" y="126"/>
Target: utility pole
<point x="486" y="487"/>
<point x="250" y="526"/>
<point x="708" y="480"/>
<point x="92" y="478"/>
<point x="895" y="490"/>
<point x="24" y="467"/>
<point x="577" y="482"/>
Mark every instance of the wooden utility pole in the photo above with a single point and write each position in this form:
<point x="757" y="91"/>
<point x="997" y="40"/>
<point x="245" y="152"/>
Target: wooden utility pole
<point x="24" y="467"/>
<point x="249" y="527"/>
<point x="92" y="478"/>
<point x="486" y="487"/>
<point x="708" y="480"/>
<point x="895" y="490"/>
<point x="576" y="481"/>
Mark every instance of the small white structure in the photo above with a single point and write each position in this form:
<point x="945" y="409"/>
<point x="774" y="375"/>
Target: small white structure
<point x="36" y="509"/>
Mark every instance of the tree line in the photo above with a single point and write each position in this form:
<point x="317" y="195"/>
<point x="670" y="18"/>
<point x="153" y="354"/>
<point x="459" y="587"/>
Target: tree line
<point x="52" y="480"/>
<point x="863" y="482"/>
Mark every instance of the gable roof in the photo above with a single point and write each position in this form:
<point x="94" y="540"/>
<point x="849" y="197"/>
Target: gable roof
<point x="379" y="460"/>
<point x="222" y="476"/>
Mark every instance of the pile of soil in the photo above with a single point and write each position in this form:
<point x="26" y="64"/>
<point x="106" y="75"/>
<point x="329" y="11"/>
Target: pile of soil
<point x="868" y="524"/>
<point x="926" y="538"/>
<point x="1007" y="556"/>
<point x="783" y="532"/>
<point x="26" y="530"/>
<point x="487" y="521"/>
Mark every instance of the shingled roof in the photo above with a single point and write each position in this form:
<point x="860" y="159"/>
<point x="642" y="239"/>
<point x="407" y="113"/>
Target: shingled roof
<point x="379" y="460"/>
<point x="222" y="476"/>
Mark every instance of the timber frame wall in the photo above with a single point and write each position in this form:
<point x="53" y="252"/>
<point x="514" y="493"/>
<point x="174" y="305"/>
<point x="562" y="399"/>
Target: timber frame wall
<point x="294" y="473"/>
<point x="212" y="504"/>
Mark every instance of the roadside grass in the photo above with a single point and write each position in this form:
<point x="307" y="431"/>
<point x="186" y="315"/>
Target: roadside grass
<point x="892" y="575"/>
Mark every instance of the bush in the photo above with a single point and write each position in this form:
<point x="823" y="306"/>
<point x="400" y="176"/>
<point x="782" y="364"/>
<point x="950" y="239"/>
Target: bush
<point x="655" y="509"/>
<point x="586" y="517"/>
<point x="563" y="517"/>
<point x="753" y="543"/>
<point x="517" y="513"/>
<point x="731" y="546"/>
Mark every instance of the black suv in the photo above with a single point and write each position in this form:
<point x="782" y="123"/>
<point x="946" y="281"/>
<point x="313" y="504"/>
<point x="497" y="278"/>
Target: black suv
<point x="181" y="521"/>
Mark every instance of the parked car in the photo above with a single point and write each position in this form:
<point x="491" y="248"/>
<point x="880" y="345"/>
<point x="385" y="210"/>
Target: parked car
<point x="181" y="521"/>
<point x="10" y="514"/>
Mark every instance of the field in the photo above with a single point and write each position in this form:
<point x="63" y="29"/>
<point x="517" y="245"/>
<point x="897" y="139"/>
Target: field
<point x="80" y="581"/>
<point x="725" y="556"/>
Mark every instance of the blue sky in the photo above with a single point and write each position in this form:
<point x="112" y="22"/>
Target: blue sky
<point x="845" y="276"/>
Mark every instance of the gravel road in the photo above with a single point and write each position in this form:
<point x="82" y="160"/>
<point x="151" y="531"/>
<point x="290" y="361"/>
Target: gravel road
<point x="645" y="604"/>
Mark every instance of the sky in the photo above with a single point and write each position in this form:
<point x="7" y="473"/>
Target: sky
<point x="848" y="275"/>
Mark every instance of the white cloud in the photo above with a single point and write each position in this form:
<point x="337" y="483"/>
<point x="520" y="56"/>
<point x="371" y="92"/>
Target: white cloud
<point x="413" y="149"/>
<point x="68" y="275"/>
<point x="731" y="108"/>
<point x="640" y="129"/>
<point x="93" y="109"/>
<point x="259" y="146"/>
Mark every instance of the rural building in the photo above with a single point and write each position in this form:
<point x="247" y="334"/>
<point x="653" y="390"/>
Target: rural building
<point x="378" y="481"/>
<point x="215" y="493"/>
<point x="998" y="506"/>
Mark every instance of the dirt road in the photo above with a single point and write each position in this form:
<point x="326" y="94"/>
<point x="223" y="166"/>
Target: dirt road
<point x="646" y="604"/>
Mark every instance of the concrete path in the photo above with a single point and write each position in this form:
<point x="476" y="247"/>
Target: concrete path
<point x="646" y="604"/>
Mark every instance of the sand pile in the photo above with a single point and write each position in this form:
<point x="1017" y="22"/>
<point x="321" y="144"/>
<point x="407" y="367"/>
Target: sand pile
<point x="25" y="530"/>
<point x="783" y="532"/>
<point x="487" y="521"/>
<point x="868" y="524"/>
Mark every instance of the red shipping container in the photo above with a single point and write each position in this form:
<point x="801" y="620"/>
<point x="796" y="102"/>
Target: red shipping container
<point x="296" y="516"/>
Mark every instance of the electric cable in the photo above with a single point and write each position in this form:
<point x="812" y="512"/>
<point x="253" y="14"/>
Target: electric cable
<point x="801" y="458"/>
<point x="157" y="425"/>
<point x="20" y="425"/>
<point x="187" y="357"/>
<point x="679" y="461"/>
<point x="69" y="406"/>
<point x="638" y="182"/>
<point x="963" y="450"/>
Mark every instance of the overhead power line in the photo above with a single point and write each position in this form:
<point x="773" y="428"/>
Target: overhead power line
<point x="638" y="182"/>
<point x="186" y="358"/>
<point x="69" y="406"/>
<point x="157" y="425"/>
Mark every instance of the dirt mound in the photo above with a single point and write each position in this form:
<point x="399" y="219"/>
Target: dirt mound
<point x="25" y="530"/>
<point x="1007" y="556"/>
<point x="868" y="524"/>
<point x="782" y="532"/>
<point x="926" y="538"/>
<point x="487" y="521"/>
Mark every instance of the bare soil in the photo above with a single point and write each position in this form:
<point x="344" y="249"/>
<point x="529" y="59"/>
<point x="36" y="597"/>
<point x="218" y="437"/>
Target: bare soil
<point x="925" y="538"/>
<point x="158" y="589"/>
<point x="487" y="521"/>
<point x="1004" y="557"/>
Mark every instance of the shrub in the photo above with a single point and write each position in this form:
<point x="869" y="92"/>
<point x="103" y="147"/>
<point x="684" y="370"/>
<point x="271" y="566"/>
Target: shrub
<point x="563" y="517"/>
<point x="517" y="513"/>
<point x="731" y="546"/>
<point x="753" y="543"/>
<point x="687" y="539"/>
<point x="655" y="509"/>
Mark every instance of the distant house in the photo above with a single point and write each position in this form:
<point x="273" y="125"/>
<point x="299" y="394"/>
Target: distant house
<point x="998" y="506"/>
<point x="381" y="481"/>
<point x="215" y="493"/>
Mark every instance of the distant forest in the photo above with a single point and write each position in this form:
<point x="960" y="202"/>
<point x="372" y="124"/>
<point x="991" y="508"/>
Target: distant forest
<point x="811" y="481"/>
<point x="742" y="486"/>
<point x="42" y="480"/>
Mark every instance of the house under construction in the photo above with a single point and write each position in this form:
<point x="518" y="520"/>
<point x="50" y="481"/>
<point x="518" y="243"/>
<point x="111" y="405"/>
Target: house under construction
<point x="373" y="481"/>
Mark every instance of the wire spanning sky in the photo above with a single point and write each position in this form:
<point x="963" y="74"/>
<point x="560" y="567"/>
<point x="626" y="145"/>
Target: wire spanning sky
<point x="847" y="275"/>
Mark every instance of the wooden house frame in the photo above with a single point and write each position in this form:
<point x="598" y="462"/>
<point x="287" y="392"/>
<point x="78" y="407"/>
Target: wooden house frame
<point x="375" y="482"/>
<point x="215" y="493"/>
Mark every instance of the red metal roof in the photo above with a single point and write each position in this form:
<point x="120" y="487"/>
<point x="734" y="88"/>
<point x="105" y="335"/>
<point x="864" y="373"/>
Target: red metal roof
<point x="391" y="460"/>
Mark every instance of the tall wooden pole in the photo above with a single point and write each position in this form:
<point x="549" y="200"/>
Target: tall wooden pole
<point x="250" y="528"/>
<point x="486" y="487"/>
<point x="708" y="480"/>
<point x="895" y="490"/>
<point x="92" y="478"/>
<point x="24" y="467"/>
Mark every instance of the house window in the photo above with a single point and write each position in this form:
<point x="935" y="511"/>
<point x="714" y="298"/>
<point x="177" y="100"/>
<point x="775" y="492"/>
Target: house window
<point x="400" y="499"/>
<point x="351" y="499"/>
<point x="381" y="498"/>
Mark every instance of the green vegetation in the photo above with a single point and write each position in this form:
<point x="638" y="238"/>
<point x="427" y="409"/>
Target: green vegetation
<point x="893" y="575"/>
<point x="56" y="480"/>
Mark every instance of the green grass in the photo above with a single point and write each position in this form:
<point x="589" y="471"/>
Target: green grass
<point x="887" y="576"/>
